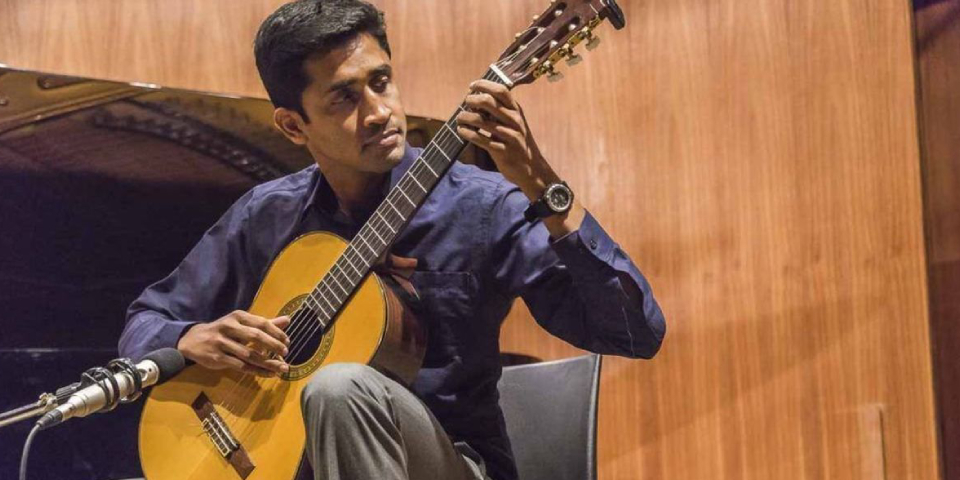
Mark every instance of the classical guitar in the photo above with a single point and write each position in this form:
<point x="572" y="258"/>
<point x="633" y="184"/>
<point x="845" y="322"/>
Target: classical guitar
<point x="207" y="425"/>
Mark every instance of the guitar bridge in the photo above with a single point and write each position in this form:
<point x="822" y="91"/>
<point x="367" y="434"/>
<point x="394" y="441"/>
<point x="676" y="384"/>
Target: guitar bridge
<point x="219" y="433"/>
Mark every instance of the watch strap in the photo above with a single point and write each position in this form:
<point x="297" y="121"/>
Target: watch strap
<point x="537" y="209"/>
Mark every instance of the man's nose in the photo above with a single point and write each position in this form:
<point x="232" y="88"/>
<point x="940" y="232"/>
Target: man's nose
<point x="376" y="112"/>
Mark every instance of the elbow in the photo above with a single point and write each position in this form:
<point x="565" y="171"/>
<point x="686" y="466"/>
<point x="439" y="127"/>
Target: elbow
<point x="651" y="336"/>
<point x="648" y="349"/>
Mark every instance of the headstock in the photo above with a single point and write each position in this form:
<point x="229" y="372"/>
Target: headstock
<point x="552" y="37"/>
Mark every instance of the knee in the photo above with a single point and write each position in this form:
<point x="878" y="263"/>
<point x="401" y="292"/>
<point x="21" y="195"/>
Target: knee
<point x="340" y="384"/>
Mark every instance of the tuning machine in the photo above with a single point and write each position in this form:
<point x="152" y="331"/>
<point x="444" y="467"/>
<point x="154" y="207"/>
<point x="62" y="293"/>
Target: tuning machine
<point x="593" y="41"/>
<point x="567" y="52"/>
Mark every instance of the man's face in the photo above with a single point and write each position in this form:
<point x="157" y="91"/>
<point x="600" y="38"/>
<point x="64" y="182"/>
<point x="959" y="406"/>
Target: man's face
<point x="356" y="119"/>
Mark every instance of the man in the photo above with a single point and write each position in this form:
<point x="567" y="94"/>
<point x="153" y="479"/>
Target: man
<point x="326" y="67"/>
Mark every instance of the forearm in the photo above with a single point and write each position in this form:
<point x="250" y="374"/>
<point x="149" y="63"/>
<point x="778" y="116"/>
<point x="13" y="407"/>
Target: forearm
<point x="597" y="299"/>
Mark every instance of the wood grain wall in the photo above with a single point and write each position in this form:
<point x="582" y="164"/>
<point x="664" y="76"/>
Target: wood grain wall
<point x="758" y="159"/>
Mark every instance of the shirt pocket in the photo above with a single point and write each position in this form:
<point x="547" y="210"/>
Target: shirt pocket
<point x="447" y="308"/>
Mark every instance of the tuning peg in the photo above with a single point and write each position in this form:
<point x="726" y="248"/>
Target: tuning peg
<point x="554" y="76"/>
<point x="574" y="59"/>
<point x="594" y="42"/>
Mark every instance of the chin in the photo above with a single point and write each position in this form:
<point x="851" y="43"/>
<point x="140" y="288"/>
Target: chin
<point x="396" y="155"/>
<point x="384" y="162"/>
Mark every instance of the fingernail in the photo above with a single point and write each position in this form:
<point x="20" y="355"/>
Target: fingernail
<point x="285" y="368"/>
<point x="285" y="351"/>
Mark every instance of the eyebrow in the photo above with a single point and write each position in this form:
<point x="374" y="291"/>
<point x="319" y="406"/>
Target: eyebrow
<point x="384" y="69"/>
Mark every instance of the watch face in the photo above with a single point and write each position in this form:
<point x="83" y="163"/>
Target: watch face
<point x="559" y="197"/>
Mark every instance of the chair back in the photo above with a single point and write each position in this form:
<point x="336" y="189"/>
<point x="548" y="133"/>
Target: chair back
<point x="551" y="414"/>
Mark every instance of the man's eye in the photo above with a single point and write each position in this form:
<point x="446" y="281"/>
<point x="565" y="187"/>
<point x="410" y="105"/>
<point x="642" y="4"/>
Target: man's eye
<point x="381" y="82"/>
<point x="343" y="97"/>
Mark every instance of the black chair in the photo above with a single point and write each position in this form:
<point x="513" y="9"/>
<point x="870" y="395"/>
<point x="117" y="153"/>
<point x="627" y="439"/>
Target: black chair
<point x="551" y="414"/>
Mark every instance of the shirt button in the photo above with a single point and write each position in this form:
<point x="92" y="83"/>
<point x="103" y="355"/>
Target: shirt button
<point x="593" y="244"/>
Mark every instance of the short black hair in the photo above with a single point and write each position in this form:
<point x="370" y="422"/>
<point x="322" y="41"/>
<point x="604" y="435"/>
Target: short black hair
<point x="303" y="28"/>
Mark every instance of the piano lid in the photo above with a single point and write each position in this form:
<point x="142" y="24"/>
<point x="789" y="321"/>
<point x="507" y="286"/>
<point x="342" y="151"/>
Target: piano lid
<point x="107" y="185"/>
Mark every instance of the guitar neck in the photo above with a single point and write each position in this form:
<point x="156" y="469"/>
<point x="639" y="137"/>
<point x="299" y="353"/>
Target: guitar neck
<point x="389" y="219"/>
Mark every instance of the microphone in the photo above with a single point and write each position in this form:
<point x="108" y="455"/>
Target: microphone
<point x="122" y="386"/>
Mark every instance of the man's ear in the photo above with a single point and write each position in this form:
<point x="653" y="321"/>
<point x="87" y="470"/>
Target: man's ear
<point x="290" y="123"/>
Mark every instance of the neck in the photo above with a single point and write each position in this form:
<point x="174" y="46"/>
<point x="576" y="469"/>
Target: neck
<point x="357" y="192"/>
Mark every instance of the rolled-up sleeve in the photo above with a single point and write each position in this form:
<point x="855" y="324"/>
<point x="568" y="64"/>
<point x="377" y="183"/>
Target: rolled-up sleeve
<point x="582" y="287"/>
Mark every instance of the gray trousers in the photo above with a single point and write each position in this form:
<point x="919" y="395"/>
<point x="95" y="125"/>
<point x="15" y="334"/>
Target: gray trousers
<point x="362" y="425"/>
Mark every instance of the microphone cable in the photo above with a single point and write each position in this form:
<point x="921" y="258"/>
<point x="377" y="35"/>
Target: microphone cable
<point x="26" y="451"/>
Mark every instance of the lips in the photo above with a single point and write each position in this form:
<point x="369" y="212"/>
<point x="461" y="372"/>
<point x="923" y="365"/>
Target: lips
<point x="385" y="139"/>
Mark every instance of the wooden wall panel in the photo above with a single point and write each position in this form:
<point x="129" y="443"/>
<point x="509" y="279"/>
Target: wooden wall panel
<point x="757" y="158"/>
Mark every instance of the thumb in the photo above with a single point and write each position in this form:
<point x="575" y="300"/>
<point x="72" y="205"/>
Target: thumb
<point x="281" y="322"/>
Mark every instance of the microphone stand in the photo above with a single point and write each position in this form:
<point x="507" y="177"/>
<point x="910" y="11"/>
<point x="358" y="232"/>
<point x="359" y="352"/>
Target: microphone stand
<point x="47" y="402"/>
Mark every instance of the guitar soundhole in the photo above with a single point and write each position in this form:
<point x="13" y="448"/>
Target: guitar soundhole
<point x="308" y="348"/>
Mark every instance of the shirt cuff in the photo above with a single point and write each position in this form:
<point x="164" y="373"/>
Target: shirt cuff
<point x="586" y="250"/>
<point x="170" y="333"/>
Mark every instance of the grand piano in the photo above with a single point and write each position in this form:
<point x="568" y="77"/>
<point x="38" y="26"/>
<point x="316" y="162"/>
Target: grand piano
<point x="104" y="187"/>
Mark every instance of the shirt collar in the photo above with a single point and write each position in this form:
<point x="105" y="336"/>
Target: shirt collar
<point x="323" y="199"/>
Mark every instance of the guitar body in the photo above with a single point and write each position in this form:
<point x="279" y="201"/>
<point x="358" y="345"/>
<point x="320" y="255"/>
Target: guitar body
<point x="191" y="424"/>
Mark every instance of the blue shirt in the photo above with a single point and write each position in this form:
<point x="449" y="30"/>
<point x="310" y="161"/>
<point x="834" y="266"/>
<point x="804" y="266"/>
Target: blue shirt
<point x="476" y="254"/>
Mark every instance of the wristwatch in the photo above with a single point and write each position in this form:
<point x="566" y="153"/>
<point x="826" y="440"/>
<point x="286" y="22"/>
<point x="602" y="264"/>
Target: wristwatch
<point x="556" y="199"/>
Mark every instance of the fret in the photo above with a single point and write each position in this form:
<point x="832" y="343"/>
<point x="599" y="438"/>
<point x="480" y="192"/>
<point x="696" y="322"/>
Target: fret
<point x="377" y="211"/>
<point x="337" y="282"/>
<point x="444" y="153"/>
<point x="413" y="177"/>
<point x="455" y="135"/>
<point x="412" y="204"/>
<point x="434" y="172"/>
<point x="323" y="325"/>
<point x="314" y="300"/>
<point x="344" y="272"/>
<point x="314" y="314"/>
<point x="388" y="202"/>
<point x="442" y="165"/>
<point x="374" y="230"/>
<point x="347" y="258"/>
<point x="375" y="254"/>
<point x="366" y="264"/>
<point x="325" y="283"/>
<point x="324" y="298"/>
